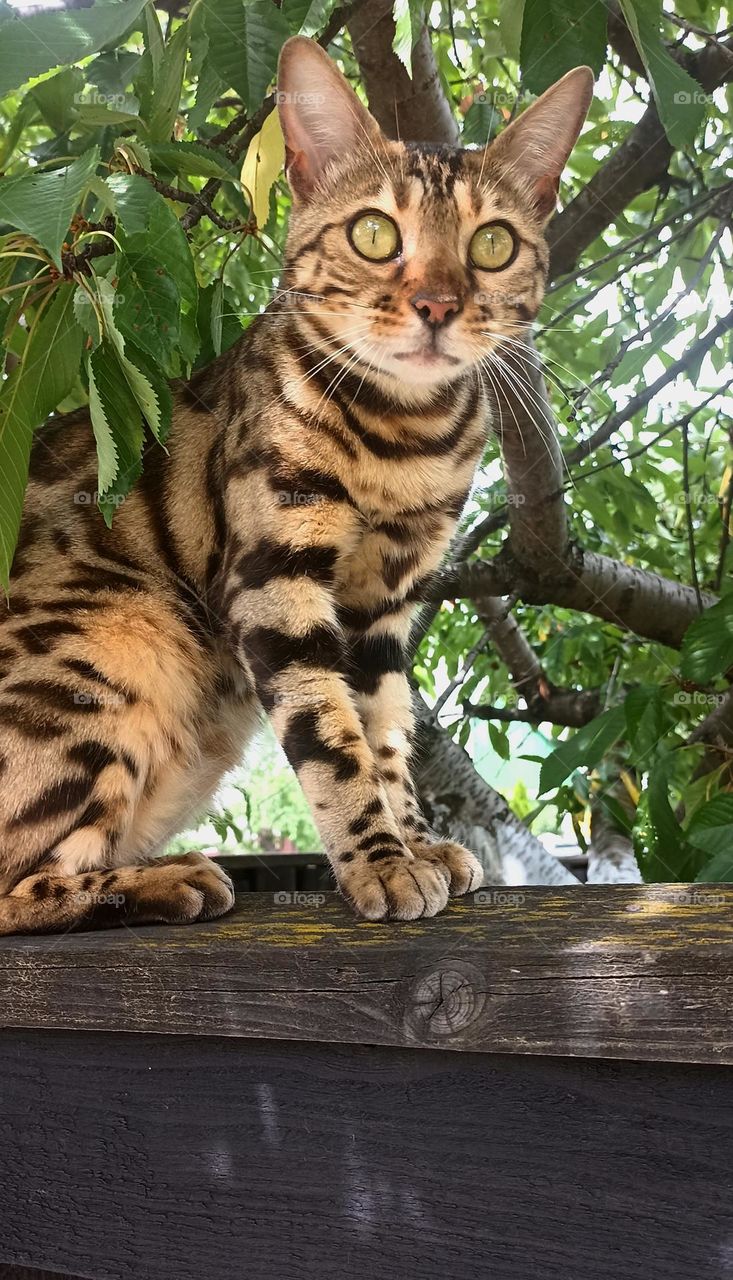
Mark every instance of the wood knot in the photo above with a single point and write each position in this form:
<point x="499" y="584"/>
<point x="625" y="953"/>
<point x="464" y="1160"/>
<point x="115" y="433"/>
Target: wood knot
<point x="443" y="1001"/>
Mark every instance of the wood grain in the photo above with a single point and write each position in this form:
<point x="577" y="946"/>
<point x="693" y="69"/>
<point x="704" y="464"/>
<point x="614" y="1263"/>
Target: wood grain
<point x="598" y="972"/>
<point x="177" y="1158"/>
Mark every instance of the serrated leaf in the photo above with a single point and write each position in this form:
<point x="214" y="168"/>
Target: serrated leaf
<point x="147" y="301"/>
<point x="33" y="43"/>
<point x="117" y="425"/>
<point x="262" y="165"/>
<point x="192" y="159"/>
<point x="307" y="17"/>
<point x="585" y="749"/>
<point x="56" y="98"/>
<point x="148" y="388"/>
<point x="707" y="649"/>
<point x="558" y="35"/>
<point x="45" y="375"/>
<point x="679" y="99"/>
<point x="141" y="209"/>
<point x="245" y="39"/>
<point x="409" y="19"/>
<point x="168" y="82"/>
<point x="711" y="829"/>
<point x="43" y="204"/>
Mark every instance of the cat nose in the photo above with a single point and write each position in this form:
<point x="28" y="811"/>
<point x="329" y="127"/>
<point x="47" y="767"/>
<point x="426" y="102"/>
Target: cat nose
<point x="435" y="310"/>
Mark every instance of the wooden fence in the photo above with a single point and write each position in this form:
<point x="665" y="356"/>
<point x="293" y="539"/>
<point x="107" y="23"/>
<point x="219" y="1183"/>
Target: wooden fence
<point x="536" y="1084"/>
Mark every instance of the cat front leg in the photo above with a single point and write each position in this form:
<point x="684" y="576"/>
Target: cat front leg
<point x="282" y="611"/>
<point x="384" y="700"/>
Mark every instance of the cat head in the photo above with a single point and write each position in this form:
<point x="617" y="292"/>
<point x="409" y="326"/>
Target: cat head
<point x="412" y="259"/>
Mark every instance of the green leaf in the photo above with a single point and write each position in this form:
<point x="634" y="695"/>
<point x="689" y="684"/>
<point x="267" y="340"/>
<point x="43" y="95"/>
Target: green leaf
<point x="245" y="38"/>
<point x="409" y="19"/>
<point x="33" y="43"/>
<point x="307" y="17"/>
<point x="168" y="86"/>
<point x="192" y="159"/>
<point x="147" y="301"/>
<point x="707" y="649"/>
<point x="585" y="749"/>
<point x="57" y="98"/>
<point x="44" y="377"/>
<point x="511" y="14"/>
<point x="43" y="204"/>
<point x="660" y="846"/>
<point x="645" y="722"/>
<point x="148" y="388"/>
<point x="711" y="829"/>
<point x="679" y="99"/>
<point x="558" y="35"/>
<point x="117" y="425"/>
<point x="218" y="325"/>
<point x="141" y="209"/>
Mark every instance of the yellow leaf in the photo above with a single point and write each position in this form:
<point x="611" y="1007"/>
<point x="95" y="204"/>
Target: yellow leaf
<point x="262" y="164"/>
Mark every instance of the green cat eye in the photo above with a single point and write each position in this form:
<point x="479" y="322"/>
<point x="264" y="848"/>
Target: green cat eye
<point x="375" y="237"/>
<point x="492" y="247"/>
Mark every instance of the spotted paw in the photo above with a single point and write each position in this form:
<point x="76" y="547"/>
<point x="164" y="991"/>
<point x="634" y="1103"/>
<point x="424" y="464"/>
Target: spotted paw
<point x="181" y="890"/>
<point x="397" y="888"/>
<point x="462" y="869"/>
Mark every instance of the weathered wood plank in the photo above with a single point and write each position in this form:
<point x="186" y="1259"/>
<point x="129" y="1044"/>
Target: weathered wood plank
<point x="160" y="1158"/>
<point x="610" y="971"/>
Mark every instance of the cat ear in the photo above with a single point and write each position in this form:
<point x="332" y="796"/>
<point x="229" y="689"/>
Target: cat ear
<point x="322" y="119"/>
<point x="537" y="145"/>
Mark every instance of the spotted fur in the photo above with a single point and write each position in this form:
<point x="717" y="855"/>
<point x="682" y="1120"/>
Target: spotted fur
<point x="275" y="558"/>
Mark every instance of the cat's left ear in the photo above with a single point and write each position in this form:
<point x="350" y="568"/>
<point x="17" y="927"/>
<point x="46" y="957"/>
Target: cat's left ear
<point x="536" y="146"/>
<point x="322" y="119"/>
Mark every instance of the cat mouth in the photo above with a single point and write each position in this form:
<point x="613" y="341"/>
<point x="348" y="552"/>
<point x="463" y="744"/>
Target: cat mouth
<point x="426" y="356"/>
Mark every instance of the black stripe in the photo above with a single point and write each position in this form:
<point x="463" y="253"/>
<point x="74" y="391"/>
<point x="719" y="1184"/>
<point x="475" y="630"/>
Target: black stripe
<point x="270" y="559"/>
<point x="372" y="658"/>
<point x="270" y="652"/>
<point x="30" y="722"/>
<point x="302" y="744"/>
<point x="38" y="637"/>
<point x="89" y="672"/>
<point x="91" y="755"/>
<point x="378" y="838"/>
<point x="60" y="798"/>
<point x="57" y="697"/>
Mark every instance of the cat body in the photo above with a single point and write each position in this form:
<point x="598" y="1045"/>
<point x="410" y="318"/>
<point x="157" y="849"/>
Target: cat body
<point x="274" y="559"/>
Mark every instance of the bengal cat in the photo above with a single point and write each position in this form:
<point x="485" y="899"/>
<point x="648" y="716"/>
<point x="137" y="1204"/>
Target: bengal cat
<point x="273" y="560"/>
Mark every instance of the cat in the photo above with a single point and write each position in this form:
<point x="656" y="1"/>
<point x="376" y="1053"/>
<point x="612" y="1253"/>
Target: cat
<point x="274" y="560"/>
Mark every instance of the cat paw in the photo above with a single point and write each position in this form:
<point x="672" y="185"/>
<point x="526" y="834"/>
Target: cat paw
<point x="396" y="888"/>
<point x="183" y="889"/>
<point x="462" y="869"/>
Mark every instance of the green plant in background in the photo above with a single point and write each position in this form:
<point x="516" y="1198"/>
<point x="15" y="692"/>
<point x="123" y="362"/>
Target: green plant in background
<point x="142" y="216"/>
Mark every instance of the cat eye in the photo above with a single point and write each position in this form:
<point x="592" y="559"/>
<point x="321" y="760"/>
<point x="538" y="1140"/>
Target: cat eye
<point x="492" y="247"/>
<point x="375" y="236"/>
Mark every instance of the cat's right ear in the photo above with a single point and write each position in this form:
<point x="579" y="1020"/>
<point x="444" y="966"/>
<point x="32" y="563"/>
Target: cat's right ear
<point x="322" y="119"/>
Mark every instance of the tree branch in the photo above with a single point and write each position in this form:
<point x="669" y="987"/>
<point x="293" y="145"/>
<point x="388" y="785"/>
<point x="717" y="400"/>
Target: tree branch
<point x="414" y="108"/>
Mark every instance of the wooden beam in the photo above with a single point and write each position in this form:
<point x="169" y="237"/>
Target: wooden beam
<point x="627" y="972"/>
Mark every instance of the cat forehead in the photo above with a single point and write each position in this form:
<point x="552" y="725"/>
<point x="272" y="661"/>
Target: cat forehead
<point x="442" y="186"/>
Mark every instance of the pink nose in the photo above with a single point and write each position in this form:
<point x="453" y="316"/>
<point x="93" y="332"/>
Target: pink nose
<point x="435" y="311"/>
